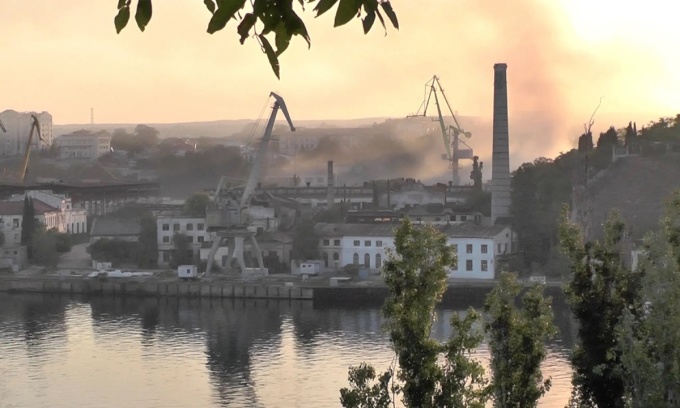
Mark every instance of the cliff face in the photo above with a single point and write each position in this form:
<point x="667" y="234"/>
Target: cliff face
<point x="638" y="186"/>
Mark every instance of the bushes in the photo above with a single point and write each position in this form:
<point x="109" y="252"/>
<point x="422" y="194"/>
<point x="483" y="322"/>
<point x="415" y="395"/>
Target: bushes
<point x="116" y="251"/>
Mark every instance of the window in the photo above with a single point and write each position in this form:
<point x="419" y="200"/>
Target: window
<point x="485" y="249"/>
<point x="367" y="260"/>
<point x="355" y="259"/>
<point x="485" y="266"/>
<point x="190" y="226"/>
<point x="326" y="242"/>
<point x="175" y="227"/>
<point x="468" y="248"/>
<point x="199" y="238"/>
<point x="378" y="243"/>
<point x="463" y="217"/>
<point x="367" y="243"/>
<point x="437" y="219"/>
<point x="506" y="248"/>
<point x="200" y="226"/>
<point x="378" y="261"/>
<point x="166" y="227"/>
<point x="468" y="265"/>
<point x="357" y="243"/>
<point x="452" y="217"/>
<point x="15" y="223"/>
<point x="325" y="259"/>
<point x="336" y="256"/>
<point x="166" y="239"/>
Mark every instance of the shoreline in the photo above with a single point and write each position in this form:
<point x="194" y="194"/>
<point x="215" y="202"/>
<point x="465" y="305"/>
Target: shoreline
<point x="348" y="294"/>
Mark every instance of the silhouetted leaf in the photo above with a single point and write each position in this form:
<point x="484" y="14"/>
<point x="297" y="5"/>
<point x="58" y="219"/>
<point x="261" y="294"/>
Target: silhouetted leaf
<point x="347" y="10"/>
<point x="368" y="21"/>
<point x="323" y="6"/>
<point x="225" y="11"/>
<point x="246" y="24"/>
<point x="382" y="21"/>
<point x="390" y="13"/>
<point x="210" y="4"/>
<point x="282" y="38"/>
<point x="271" y="55"/>
<point x="297" y="27"/>
<point x="123" y="3"/>
<point x="122" y="18"/>
<point x="143" y="14"/>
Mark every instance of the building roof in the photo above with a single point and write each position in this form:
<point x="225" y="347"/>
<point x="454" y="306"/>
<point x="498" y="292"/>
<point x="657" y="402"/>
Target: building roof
<point x="464" y="230"/>
<point x="116" y="226"/>
<point x="17" y="207"/>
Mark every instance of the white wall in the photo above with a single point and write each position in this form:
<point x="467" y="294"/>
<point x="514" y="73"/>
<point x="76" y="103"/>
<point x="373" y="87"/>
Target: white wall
<point x="188" y="226"/>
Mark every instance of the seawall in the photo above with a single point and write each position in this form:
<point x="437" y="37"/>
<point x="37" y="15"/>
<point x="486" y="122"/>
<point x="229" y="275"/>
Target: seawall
<point x="461" y="294"/>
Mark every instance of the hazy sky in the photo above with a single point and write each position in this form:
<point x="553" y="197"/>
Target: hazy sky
<point x="65" y="57"/>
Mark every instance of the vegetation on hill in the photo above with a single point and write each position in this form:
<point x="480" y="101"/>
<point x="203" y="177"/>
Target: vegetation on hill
<point x="540" y="188"/>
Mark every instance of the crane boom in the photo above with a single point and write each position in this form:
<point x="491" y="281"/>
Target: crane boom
<point x="35" y="125"/>
<point x="279" y="103"/>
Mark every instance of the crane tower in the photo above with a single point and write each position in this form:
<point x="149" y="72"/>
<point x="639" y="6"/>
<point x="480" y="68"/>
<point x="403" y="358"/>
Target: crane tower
<point x="450" y="133"/>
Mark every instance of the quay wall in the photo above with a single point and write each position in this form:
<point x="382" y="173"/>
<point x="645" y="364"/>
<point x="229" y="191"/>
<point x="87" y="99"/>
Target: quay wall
<point x="135" y="288"/>
<point x="456" y="295"/>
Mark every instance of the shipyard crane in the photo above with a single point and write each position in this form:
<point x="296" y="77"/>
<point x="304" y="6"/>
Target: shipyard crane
<point x="227" y="218"/>
<point x="35" y="127"/>
<point x="451" y="134"/>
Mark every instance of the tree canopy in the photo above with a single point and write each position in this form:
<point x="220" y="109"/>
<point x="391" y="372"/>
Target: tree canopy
<point x="263" y="19"/>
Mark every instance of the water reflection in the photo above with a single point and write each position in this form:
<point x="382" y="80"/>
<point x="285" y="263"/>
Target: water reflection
<point x="180" y="352"/>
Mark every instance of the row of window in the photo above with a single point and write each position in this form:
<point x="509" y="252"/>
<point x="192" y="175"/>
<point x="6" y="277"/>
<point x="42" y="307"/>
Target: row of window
<point x="367" y="243"/>
<point x="190" y="226"/>
<point x="167" y="239"/>
<point x="468" y="248"/>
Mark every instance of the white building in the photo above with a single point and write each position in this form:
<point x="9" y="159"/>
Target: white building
<point x="364" y="245"/>
<point x="68" y="220"/>
<point x="18" y="127"/>
<point x="84" y="144"/>
<point x="168" y="226"/>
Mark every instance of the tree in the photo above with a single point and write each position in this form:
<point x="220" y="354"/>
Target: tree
<point x="649" y="334"/>
<point x="28" y="223"/>
<point x="265" y="17"/>
<point x="608" y="139"/>
<point x="147" y="136"/>
<point x="148" y="243"/>
<point x="517" y="343"/>
<point x="415" y="274"/>
<point x="196" y="204"/>
<point x="116" y="251"/>
<point x="182" y="253"/>
<point x="305" y="241"/>
<point x="600" y="290"/>
<point x="476" y="173"/>
<point x="44" y="248"/>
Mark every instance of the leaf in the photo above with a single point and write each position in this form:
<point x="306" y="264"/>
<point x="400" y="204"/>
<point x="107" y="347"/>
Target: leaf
<point x="246" y="24"/>
<point x="297" y="27"/>
<point x="390" y="13"/>
<point x="143" y="14"/>
<point x="347" y="10"/>
<point x="282" y="38"/>
<point x="121" y="19"/>
<point x="323" y="6"/>
<point x="123" y="3"/>
<point x="271" y="55"/>
<point x="382" y="21"/>
<point x="368" y="21"/>
<point x="210" y="4"/>
<point x="225" y="11"/>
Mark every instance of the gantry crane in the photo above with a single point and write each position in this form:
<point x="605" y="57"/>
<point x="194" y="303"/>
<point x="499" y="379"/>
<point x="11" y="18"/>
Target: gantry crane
<point x="451" y="134"/>
<point x="228" y="219"/>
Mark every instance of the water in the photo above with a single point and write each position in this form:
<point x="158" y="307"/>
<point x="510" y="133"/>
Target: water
<point x="58" y="351"/>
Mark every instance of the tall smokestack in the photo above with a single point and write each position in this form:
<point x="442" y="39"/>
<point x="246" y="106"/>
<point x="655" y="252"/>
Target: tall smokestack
<point x="331" y="186"/>
<point x="500" y="170"/>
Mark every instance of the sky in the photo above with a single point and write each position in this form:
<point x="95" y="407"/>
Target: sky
<point x="563" y="56"/>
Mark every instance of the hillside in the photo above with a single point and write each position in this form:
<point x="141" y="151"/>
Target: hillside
<point x="638" y="187"/>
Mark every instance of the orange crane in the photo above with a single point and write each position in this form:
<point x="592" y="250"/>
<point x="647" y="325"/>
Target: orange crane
<point x="35" y="126"/>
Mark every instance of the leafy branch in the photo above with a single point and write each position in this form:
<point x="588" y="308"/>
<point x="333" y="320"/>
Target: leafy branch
<point x="275" y="17"/>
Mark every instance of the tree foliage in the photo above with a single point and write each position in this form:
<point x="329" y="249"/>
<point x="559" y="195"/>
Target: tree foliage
<point x="305" y="241"/>
<point x="415" y="274"/>
<point x="196" y="204"/>
<point x="517" y="342"/>
<point x="144" y="137"/>
<point x="649" y="334"/>
<point x="268" y="20"/>
<point x="117" y="251"/>
<point x="599" y="292"/>
<point x="147" y="255"/>
<point x="28" y="224"/>
<point x="44" y="248"/>
<point x="182" y="254"/>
